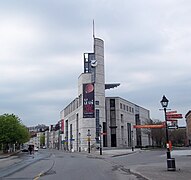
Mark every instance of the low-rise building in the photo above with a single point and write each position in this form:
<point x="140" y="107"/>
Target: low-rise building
<point x="188" y="127"/>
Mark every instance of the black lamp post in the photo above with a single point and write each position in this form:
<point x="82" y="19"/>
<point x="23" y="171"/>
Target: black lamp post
<point x="164" y="103"/>
<point x="170" y="161"/>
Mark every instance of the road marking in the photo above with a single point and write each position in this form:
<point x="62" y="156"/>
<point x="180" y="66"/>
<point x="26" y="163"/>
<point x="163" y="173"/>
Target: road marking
<point x="38" y="176"/>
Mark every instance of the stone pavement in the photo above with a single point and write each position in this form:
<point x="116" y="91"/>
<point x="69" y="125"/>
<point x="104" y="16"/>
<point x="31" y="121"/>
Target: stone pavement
<point x="158" y="170"/>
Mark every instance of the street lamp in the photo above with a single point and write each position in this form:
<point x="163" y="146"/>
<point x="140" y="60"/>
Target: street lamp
<point x="164" y="103"/>
<point x="170" y="161"/>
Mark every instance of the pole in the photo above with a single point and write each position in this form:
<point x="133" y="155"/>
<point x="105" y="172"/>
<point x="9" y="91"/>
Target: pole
<point x="167" y="139"/>
<point x="79" y="143"/>
<point x="89" y="140"/>
<point x="100" y="141"/>
<point x="132" y="146"/>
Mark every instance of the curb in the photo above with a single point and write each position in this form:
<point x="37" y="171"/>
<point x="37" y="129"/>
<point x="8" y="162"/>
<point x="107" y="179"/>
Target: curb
<point x="4" y="156"/>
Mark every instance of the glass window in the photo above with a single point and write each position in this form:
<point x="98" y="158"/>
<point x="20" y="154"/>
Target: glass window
<point x="97" y="102"/>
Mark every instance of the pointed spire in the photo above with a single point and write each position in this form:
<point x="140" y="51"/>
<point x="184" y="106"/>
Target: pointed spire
<point x="93" y="30"/>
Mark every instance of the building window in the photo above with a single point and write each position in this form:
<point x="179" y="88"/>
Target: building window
<point x="122" y="120"/>
<point x="112" y="102"/>
<point x="121" y="106"/>
<point x="127" y="108"/>
<point x="122" y="134"/>
<point x="97" y="102"/>
<point x="80" y="100"/>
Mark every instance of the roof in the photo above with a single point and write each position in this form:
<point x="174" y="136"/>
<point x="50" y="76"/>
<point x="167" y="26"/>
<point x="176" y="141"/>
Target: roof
<point x="187" y="113"/>
<point x="113" y="85"/>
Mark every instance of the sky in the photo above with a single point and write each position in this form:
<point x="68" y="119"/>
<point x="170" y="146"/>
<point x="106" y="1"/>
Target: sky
<point x="147" y="50"/>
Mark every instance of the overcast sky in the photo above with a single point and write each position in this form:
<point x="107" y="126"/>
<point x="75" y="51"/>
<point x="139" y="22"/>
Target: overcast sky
<point x="147" y="50"/>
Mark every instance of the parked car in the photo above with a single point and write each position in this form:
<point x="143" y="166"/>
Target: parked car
<point x="24" y="150"/>
<point x="35" y="148"/>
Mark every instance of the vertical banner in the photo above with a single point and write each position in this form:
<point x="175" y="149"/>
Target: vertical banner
<point x="88" y="100"/>
<point x="62" y="126"/>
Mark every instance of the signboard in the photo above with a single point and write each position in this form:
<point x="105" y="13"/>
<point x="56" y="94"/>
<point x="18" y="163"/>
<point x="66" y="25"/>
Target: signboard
<point x="173" y="127"/>
<point x="62" y="126"/>
<point x="171" y="112"/>
<point x="155" y="126"/>
<point x="176" y="116"/>
<point x="88" y="101"/>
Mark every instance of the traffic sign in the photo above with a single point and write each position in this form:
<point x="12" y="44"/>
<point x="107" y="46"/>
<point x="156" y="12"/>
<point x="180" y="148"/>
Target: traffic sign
<point x="155" y="126"/>
<point x="173" y="127"/>
<point x="171" y="112"/>
<point x="172" y="120"/>
<point x="176" y="116"/>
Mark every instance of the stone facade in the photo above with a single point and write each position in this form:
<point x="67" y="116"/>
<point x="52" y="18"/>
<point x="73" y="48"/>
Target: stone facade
<point x="188" y="127"/>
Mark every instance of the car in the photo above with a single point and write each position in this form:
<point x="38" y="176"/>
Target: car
<point x="35" y="148"/>
<point x="43" y="147"/>
<point x="25" y="150"/>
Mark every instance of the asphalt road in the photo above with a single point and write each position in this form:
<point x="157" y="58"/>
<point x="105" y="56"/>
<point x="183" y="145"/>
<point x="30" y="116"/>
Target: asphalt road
<point x="53" y="164"/>
<point x="56" y="165"/>
<point x="18" y="162"/>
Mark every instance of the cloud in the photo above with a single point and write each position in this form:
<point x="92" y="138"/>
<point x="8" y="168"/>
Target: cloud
<point x="42" y="45"/>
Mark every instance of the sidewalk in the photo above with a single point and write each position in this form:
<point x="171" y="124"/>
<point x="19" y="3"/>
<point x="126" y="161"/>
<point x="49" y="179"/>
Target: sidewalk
<point x="116" y="152"/>
<point x="6" y="155"/>
<point x="157" y="170"/>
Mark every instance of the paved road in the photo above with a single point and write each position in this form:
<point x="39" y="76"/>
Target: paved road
<point x="112" y="165"/>
<point x="19" y="161"/>
<point x="71" y="166"/>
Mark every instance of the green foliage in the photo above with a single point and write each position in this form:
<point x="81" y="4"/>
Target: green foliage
<point x="157" y="135"/>
<point x="42" y="140"/>
<point x="178" y="137"/>
<point x="12" y="130"/>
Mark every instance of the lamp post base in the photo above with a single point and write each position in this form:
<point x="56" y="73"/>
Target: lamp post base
<point x="171" y="166"/>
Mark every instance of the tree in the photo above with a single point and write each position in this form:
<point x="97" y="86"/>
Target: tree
<point x="12" y="131"/>
<point x="178" y="136"/>
<point x="42" y="140"/>
<point x="157" y="135"/>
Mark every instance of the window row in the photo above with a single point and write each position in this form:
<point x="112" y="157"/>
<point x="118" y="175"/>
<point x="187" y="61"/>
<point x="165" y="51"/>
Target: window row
<point x="73" y="105"/>
<point x="126" y="108"/>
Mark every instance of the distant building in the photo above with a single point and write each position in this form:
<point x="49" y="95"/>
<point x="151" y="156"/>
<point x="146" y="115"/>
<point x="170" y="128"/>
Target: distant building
<point x="36" y="132"/>
<point x="93" y="114"/>
<point x="38" y="128"/>
<point x="188" y="127"/>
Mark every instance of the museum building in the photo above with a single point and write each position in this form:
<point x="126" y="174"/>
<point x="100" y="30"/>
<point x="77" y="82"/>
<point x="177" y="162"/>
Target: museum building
<point x="93" y="117"/>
